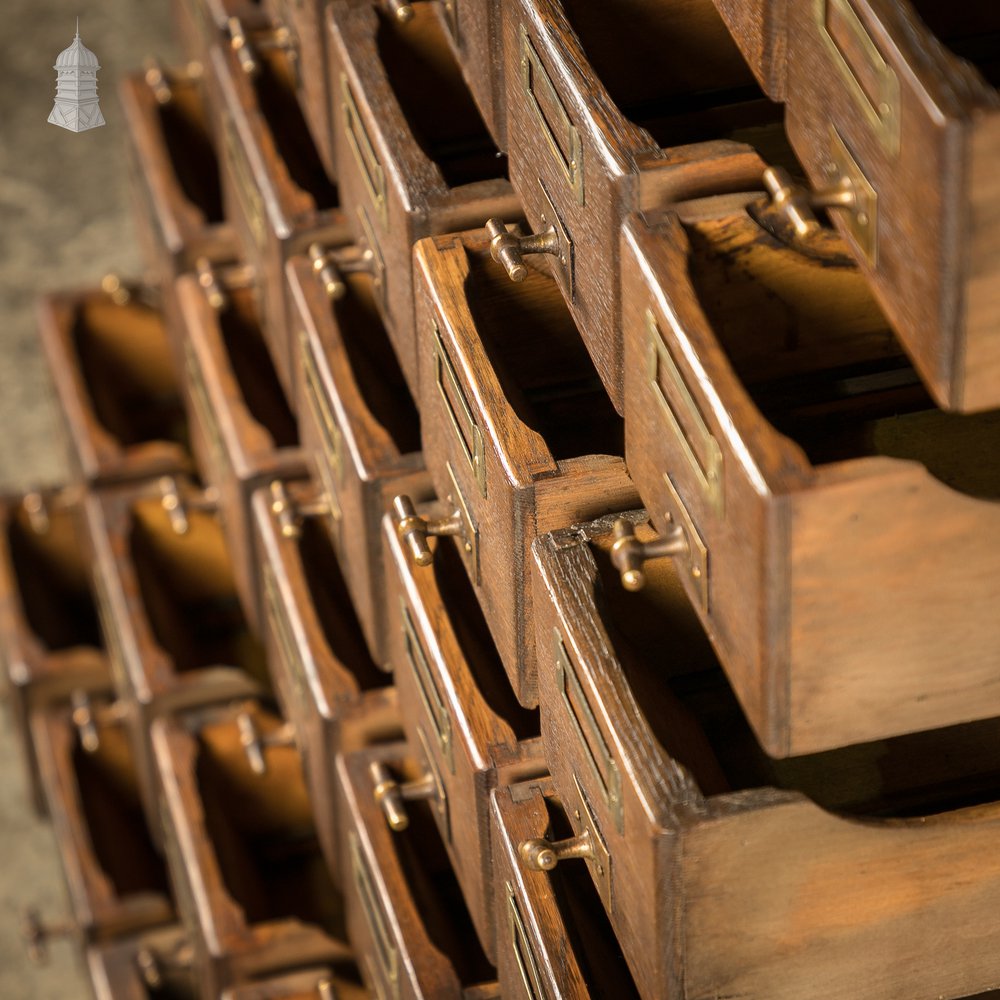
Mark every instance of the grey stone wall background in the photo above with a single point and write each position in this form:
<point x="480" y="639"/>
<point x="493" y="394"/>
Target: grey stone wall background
<point x="64" y="223"/>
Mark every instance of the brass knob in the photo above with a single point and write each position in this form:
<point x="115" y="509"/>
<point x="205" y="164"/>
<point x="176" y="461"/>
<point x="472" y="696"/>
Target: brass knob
<point x="796" y="203"/>
<point x="209" y="282"/>
<point x="628" y="553"/>
<point x="413" y="529"/>
<point x="240" y="44"/>
<point x="85" y="718"/>
<point x="36" y="934"/>
<point x="37" y="509"/>
<point x="403" y="11"/>
<point x="157" y="80"/>
<point x="178" y="506"/>
<point x="393" y="796"/>
<point x="116" y="290"/>
<point x="543" y="855"/>
<point x="290" y="514"/>
<point x="254" y="742"/>
<point x="327" y="272"/>
<point x="149" y="968"/>
<point x="509" y="249"/>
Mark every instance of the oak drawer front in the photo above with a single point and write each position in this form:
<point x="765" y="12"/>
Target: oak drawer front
<point x="575" y="157"/>
<point x="202" y="24"/>
<point x="458" y="706"/>
<point x="91" y="788"/>
<point x="512" y="411"/>
<point x="119" y="970"/>
<point x="811" y="520"/>
<point x="474" y="30"/>
<point x="910" y="126"/>
<point x="174" y="172"/>
<point x="695" y="784"/>
<point x="119" y="394"/>
<point x="760" y="28"/>
<point x="308" y="984"/>
<point x="330" y="689"/>
<point x="541" y="913"/>
<point x="297" y="26"/>
<point x="251" y="884"/>
<point x="50" y="639"/>
<point x="169" y="611"/>
<point x="410" y="943"/>
<point x="245" y="432"/>
<point x="358" y="424"/>
<point x="275" y="188"/>
<point x="396" y="190"/>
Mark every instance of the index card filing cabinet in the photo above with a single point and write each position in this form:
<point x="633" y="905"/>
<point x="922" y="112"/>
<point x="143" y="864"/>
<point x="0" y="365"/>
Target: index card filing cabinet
<point x="539" y="514"/>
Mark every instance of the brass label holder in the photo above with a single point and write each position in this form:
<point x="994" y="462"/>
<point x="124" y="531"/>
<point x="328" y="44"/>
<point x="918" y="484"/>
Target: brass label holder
<point x="561" y="135"/>
<point x="524" y="954"/>
<point x="470" y="532"/>
<point x="372" y="173"/>
<point x="588" y="734"/>
<point x="696" y="560"/>
<point x="861" y="221"/>
<point x="460" y="415"/>
<point x="386" y="954"/>
<point x="281" y="625"/>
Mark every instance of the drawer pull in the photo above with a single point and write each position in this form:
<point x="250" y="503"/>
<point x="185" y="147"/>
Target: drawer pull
<point x="541" y="855"/>
<point x="279" y="37"/>
<point x="178" y="505"/>
<point x="157" y="80"/>
<point x="115" y="289"/>
<point x="86" y="718"/>
<point x="327" y="272"/>
<point x="210" y="284"/>
<point x="848" y="191"/>
<point x="254" y="742"/>
<point x="413" y="529"/>
<point x="509" y="249"/>
<point x="401" y="10"/>
<point x="39" y="507"/>
<point x="36" y="934"/>
<point x="629" y="554"/>
<point x="290" y="514"/>
<point x="392" y="796"/>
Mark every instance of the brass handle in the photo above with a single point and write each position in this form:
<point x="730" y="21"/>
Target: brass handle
<point x="36" y="934"/>
<point x="290" y="514"/>
<point x="149" y="968"/>
<point x="413" y="529"/>
<point x="393" y="796"/>
<point x="628" y="553"/>
<point x="543" y="855"/>
<point x="177" y="506"/>
<point x="39" y="507"/>
<point x="254" y="742"/>
<point x="85" y="718"/>
<point x="210" y="284"/>
<point x="240" y="44"/>
<point x="796" y="203"/>
<point x="115" y="289"/>
<point x="509" y="249"/>
<point x="157" y="80"/>
<point x="327" y="272"/>
<point x="403" y="11"/>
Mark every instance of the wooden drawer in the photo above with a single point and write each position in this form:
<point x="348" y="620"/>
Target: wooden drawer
<point x="357" y="419"/>
<point x="405" y="913"/>
<point x="824" y="876"/>
<point x="330" y="689"/>
<point x="50" y="640"/>
<point x="174" y="172"/>
<point x="553" y="939"/>
<point x="250" y="881"/>
<point x="473" y="28"/>
<point x="760" y="29"/>
<point x="512" y="416"/>
<point x="274" y="186"/>
<point x="576" y="72"/>
<point x="110" y="360"/>
<point x="243" y="432"/>
<point x="833" y="528"/>
<point x="204" y="24"/>
<point x="169" y="610"/>
<point x="413" y="156"/>
<point x="90" y="783"/>
<point x="885" y="104"/>
<point x="145" y="966"/>
<point x="459" y="711"/>
<point x="310" y="984"/>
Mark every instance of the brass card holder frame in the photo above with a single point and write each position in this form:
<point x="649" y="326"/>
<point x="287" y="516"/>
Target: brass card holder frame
<point x="372" y="172"/>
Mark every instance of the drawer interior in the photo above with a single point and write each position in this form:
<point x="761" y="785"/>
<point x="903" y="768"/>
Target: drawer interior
<point x="184" y="126"/>
<point x="109" y="797"/>
<point x="275" y="89"/>
<point x="373" y="361"/>
<point x="427" y="83"/>
<point x="261" y="830"/>
<point x="970" y="30"/>
<point x="820" y="361"/>
<point x="672" y="69"/>
<point x="459" y="602"/>
<point x="53" y="581"/>
<point x="694" y="714"/>
<point x="540" y="359"/>
<point x="591" y="937"/>
<point x="126" y="366"/>
<point x="253" y="368"/>
<point x="435" y="891"/>
<point x="333" y="606"/>
<point x="188" y="592"/>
